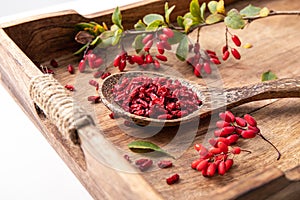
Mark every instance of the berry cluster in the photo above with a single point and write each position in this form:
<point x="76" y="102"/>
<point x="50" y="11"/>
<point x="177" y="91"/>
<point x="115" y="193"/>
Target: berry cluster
<point x="198" y="62"/>
<point x="225" y="50"/>
<point x="145" y="58"/>
<point x="216" y="159"/>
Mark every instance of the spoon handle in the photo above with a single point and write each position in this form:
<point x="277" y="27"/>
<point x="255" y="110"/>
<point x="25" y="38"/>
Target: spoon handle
<point x="280" y="88"/>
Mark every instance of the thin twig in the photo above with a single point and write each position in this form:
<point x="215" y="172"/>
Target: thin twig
<point x="265" y="139"/>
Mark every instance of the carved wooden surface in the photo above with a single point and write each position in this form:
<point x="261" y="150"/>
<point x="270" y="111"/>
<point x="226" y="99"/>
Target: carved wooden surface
<point x="257" y="175"/>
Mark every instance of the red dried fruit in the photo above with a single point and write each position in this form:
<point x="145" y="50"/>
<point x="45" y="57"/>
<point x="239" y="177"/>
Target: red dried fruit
<point x="156" y="64"/>
<point x="70" y="87"/>
<point x="141" y="161"/>
<point x="111" y="115"/>
<point x="173" y="179"/>
<point x="94" y="99"/>
<point x="149" y="59"/>
<point x="210" y="52"/>
<point x="98" y="74"/>
<point x="221" y="124"/>
<point x="232" y="138"/>
<point x="104" y="75"/>
<point x="223" y="147"/>
<point x="195" y="163"/>
<point x="145" y="165"/>
<point x="122" y="65"/>
<point x="197" y="70"/>
<point x="236" y="40"/>
<point x="71" y="69"/>
<point x="164" y="164"/>
<point x="137" y="59"/>
<point x="94" y="83"/>
<point x="235" y="53"/>
<point x="53" y="63"/>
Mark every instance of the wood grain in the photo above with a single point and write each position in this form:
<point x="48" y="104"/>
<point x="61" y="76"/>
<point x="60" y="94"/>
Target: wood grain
<point x="257" y="175"/>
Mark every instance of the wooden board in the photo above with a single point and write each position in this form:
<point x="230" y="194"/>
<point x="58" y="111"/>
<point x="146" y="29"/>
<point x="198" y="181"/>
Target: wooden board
<point x="257" y="175"/>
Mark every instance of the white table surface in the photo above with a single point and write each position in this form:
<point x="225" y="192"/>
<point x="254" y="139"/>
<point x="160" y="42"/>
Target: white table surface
<point x="30" y="169"/>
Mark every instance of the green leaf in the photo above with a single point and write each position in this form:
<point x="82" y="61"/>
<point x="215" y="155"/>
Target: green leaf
<point x="95" y="41"/>
<point x="140" y="26"/>
<point x="234" y="20"/>
<point x="84" y="25"/>
<point x="250" y="11"/>
<point x="182" y="49"/>
<point x="145" y="146"/>
<point x="117" y="18"/>
<point x="202" y="11"/>
<point x="214" y="18"/>
<point x="178" y="36"/>
<point x="267" y="76"/>
<point x="138" y="44"/>
<point x="195" y="9"/>
<point x="180" y="20"/>
<point x="212" y="7"/>
<point x="187" y="23"/>
<point x="150" y="18"/>
<point x="116" y="37"/>
<point x="264" y="12"/>
<point x="154" y="25"/>
<point x="168" y="12"/>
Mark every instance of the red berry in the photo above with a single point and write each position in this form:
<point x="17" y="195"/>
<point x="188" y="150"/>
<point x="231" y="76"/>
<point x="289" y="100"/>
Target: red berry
<point x="225" y="55"/>
<point x="81" y="66"/>
<point x="225" y="48"/>
<point x="254" y="128"/>
<point x="210" y="52"/>
<point x="215" y="150"/>
<point x="221" y="168"/>
<point x="137" y="59"/>
<point x="149" y="59"/>
<point x="235" y="53"/>
<point x="166" y="45"/>
<point x="111" y="115"/>
<point x="207" y="68"/>
<point x="98" y="74"/>
<point x="71" y="69"/>
<point x="147" y="38"/>
<point x="202" y="165"/>
<point x="248" y="134"/>
<point x="197" y="48"/>
<point x="221" y="124"/>
<point x="215" y="61"/>
<point x="164" y="164"/>
<point x="122" y="65"/>
<point x="117" y="60"/>
<point x="223" y="147"/>
<point x="94" y="99"/>
<point x="232" y="138"/>
<point x="104" y="75"/>
<point x="161" y="57"/>
<point x="156" y="64"/>
<point x="228" y="164"/>
<point x="251" y="121"/>
<point x="229" y="117"/>
<point x="98" y="62"/>
<point x="241" y="122"/>
<point x="168" y="32"/>
<point x="236" y="40"/>
<point x="236" y="150"/>
<point x="160" y="47"/>
<point x="163" y="37"/>
<point x="91" y="58"/>
<point x="198" y="147"/>
<point x="197" y="70"/>
<point x="148" y="45"/>
<point x="211" y="169"/>
<point x="195" y="163"/>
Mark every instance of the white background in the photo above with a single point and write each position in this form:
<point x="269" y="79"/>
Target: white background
<point x="30" y="169"/>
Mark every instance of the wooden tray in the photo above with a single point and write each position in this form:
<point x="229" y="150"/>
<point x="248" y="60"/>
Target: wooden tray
<point x="24" y="43"/>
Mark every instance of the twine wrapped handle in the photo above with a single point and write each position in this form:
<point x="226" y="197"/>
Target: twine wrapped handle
<point x="58" y="106"/>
